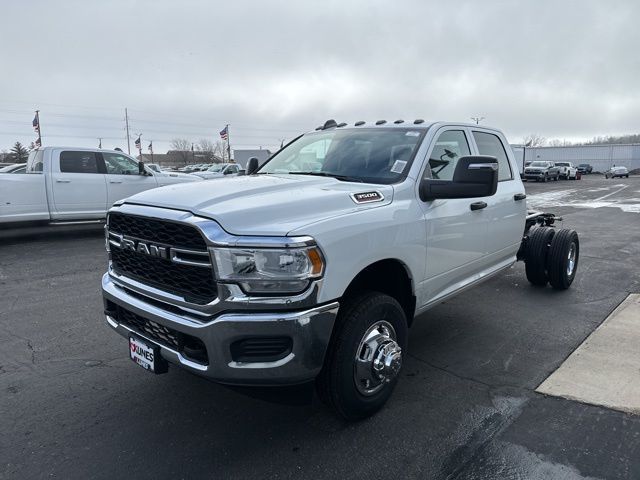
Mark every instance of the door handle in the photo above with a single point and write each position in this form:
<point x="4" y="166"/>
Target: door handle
<point x="63" y="181"/>
<point x="114" y="181"/>
<point x="478" y="205"/>
<point x="519" y="196"/>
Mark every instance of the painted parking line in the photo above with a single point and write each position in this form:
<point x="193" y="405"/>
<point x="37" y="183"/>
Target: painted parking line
<point x="605" y="369"/>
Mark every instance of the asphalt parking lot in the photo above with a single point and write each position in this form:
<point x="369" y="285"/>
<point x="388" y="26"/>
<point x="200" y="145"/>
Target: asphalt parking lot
<point x="72" y="404"/>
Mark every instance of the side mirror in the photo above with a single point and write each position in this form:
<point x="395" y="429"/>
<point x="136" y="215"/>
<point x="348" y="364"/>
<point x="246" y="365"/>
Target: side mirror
<point x="474" y="176"/>
<point x="141" y="170"/>
<point x="252" y="166"/>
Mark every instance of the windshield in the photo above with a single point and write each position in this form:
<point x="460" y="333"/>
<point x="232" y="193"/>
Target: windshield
<point x="539" y="164"/>
<point x="372" y="155"/>
<point x="562" y="164"/>
<point x="154" y="167"/>
<point x="215" y="168"/>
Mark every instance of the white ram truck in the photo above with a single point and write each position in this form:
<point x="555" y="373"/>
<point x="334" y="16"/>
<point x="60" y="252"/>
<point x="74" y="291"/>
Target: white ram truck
<point x="67" y="184"/>
<point x="313" y="266"/>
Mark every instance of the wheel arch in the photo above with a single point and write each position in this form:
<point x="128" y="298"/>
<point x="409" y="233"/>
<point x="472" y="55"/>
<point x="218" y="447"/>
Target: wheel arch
<point x="376" y="277"/>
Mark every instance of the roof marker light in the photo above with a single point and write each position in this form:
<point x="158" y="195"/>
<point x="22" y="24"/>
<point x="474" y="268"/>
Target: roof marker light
<point x="329" y="124"/>
<point x="418" y="121"/>
<point x="381" y="122"/>
<point x="343" y="124"/>
<point x="358" y="123"/>
<point x="398" y="121"/>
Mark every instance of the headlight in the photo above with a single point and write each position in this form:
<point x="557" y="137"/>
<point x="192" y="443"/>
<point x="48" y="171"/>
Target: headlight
<point x="270" y="271"/>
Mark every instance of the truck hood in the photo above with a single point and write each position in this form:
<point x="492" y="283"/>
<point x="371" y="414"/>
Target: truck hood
<point x="264" y="204"/>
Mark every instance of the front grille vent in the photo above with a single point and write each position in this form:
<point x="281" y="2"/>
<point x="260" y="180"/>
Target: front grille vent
<point x="190" y="346"/>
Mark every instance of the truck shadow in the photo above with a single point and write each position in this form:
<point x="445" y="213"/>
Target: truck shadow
<point x="13" y="236"/>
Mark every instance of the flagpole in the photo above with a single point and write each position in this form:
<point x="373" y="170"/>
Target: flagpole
<point x="126" y="121"/>
<point x="39" y="128"/>
<point x="228" y="143"/>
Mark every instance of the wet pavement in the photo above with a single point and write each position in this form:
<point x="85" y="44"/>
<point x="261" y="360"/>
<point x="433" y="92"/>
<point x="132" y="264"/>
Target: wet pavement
<point x="74" y="406"/>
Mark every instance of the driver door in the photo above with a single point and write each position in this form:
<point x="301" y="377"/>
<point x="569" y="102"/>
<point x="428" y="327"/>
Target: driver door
<point x="456" y="234"/>
<point x="123" y="177"/>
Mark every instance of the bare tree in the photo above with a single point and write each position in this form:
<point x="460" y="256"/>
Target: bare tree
<point x="220" y="150"/>
<point x="208" y="150"/>
<point x="534" y="140"/>
<point x="182" y="149"/>
<point x="555" y="142"/>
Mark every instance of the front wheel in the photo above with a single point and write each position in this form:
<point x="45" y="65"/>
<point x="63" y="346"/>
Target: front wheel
<point x="365" y="355"/>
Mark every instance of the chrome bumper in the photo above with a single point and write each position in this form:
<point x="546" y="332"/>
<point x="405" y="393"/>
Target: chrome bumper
<point x="310" y="330"/>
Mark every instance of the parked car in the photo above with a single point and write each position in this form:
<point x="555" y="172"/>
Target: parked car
<point x="541" y="171"/>
<point x="15" y="168"/>
<point x="219" y="170"/>
<point x="619" y="172"/>
<point x="567" y="170"/>
<point x="313" y="266"/>
<point x="64" y="184"/>
<point x="585" y="168"/>
<point x="166" y="172"/>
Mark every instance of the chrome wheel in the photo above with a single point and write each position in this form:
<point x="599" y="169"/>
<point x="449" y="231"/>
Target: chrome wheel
<point x="378" y="358"/>
<point x="571" y="260"/>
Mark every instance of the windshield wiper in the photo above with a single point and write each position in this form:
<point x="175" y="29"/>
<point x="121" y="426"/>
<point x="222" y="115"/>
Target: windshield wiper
<point x="344" y="178"/>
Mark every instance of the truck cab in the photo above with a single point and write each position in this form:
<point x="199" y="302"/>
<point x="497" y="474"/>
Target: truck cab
<point x="64" y="184"/>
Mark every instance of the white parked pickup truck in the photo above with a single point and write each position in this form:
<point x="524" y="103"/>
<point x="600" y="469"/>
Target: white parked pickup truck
<point x="567" y="170"/>
<point x="313" y="266"/>
<point x="64" y="184"/>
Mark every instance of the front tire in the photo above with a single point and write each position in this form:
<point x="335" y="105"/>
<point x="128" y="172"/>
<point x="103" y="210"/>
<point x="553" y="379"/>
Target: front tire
<point x="365" y="355"/>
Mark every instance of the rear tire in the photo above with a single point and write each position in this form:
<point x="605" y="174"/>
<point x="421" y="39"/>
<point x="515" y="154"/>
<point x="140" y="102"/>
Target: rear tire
<point x="562" y="260"/>
<point x="536" y="255"/>
<point x="348" y="382"/>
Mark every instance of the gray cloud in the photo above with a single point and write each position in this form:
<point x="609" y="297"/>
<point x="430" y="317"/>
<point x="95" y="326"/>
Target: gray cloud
<point x="563" y="69"/>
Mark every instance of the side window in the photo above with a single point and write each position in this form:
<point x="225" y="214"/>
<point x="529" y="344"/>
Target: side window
<point x="489" y="144"/>
<point x="34" y="163"/>
<point x="449" y="147"/>
<point x="118" y="164"/>
<point x="78" y="162"/>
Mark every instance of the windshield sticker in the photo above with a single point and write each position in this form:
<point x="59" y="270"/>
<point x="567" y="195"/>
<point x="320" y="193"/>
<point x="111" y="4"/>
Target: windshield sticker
<point x="367" y="197"/>
<point x="412" y="133"/>
<point x="398" y="166"/>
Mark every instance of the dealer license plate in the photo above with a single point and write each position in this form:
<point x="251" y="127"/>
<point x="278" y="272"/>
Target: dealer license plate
<point x="146" y="355"/>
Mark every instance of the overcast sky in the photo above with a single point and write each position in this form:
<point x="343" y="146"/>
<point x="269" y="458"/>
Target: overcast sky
<point x="272" y="69"/>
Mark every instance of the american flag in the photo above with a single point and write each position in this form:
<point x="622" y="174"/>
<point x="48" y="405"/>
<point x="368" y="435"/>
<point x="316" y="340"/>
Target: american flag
<point x="224" y="133"/>
<point x="138" y="144"/>
<point x="150" y="147"/>
<point x="37" y="143"/>
<point x="36" y="123"/>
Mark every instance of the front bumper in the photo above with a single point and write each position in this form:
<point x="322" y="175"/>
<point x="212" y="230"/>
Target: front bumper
<point x="309" y="329"/>
<point x="533" y="175"/>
